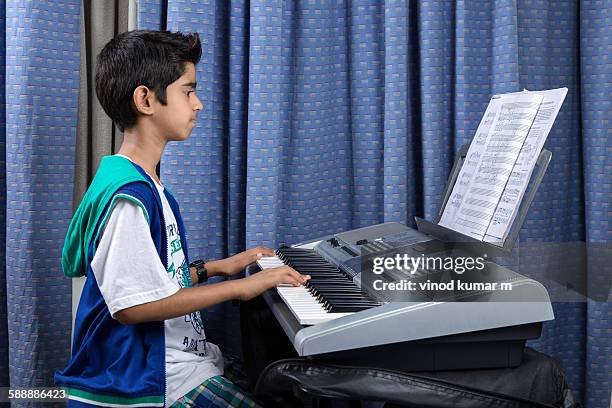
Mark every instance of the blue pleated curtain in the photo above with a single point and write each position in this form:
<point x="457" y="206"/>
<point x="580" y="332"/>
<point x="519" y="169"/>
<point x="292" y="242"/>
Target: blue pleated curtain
<point x="39" y="54"/>
<point x="320" y="116"/>
<point x="323" y="116"/>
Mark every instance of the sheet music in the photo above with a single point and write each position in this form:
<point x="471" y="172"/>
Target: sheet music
<point x="508" y="206"/>
<point x="489" y="163"/>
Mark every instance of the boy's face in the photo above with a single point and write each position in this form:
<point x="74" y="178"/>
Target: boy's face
<point x="177" y="118"/>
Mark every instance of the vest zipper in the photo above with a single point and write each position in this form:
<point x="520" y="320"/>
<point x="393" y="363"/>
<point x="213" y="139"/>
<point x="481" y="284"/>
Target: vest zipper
<point x="165" y="249"/>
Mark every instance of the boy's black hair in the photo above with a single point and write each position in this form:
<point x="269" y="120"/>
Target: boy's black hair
<point x="141" y="57"/>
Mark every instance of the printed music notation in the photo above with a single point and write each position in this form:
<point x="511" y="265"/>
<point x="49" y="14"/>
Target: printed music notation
<point x="473" y="159"/>
<point x="497" y="168"/>
<point x="455" y="200"/>
<point x="489" y="163"/>
<point x="501" y="217"/>
<point x="515" y="189"/>
<point x="510" y="195"/>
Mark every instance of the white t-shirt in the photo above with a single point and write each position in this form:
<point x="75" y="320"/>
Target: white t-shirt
<point x="129" y="273"/>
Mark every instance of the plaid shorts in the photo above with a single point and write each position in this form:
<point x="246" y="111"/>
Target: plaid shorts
<point x="220" y="391"/>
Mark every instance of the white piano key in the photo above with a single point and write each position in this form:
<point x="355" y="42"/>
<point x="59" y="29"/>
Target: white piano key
<point x="268" y="262"/>
<point x="305" y="307"/>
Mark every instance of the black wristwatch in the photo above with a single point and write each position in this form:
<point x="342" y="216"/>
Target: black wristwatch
<point x="200" y="270"/>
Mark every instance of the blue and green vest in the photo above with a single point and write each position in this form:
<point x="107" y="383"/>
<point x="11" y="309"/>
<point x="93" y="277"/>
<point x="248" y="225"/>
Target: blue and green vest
<point x="113" y="364"/>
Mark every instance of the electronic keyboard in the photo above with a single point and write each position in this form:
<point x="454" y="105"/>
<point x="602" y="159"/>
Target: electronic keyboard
<point x="333" y="318"/>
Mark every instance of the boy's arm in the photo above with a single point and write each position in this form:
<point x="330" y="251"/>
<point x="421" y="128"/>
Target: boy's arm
<point x="234" y="264"/>
<point x="213" y="268"/>
<point x="189" y="300"/>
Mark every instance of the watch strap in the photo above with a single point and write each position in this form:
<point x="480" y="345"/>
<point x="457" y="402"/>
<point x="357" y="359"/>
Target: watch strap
<point x="201" y="271"/>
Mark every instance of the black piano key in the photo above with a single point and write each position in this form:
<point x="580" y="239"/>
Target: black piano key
<point x="340" y="299"/>
<point x="357" y="306"/>
<point x="334" y="284"/>
<point x="337" y="294"/>
<point x="337" y="289"/>
<point x="343" y="302"/>
<point x="347" y="303"/>
<point x="322" y="272"/>
<point x="316" y="277"/>
<point x="332" y="287"/>
<point x="312" y="261"/>
<point x="330" y="292"/>
<point x="330" y="281"/>
<point x="330" y="278"/>
<point x="316" y="265"/>
<point x="342" y="289"/>
<point x="313" y="265"/>
<point x="349" y="309"/>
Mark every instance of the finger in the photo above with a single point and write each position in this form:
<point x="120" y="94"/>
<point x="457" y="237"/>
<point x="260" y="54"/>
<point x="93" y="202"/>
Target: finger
<point x="286" y="275"/>
<point x="302" y="278"/>
<point x="265" y="251"/>
<point x="294" y="272"/>
<point x="288" y="280"/>
<point x="298" y="276"/>
<point x="295" y="281"/>
<point x="258" y="253"/>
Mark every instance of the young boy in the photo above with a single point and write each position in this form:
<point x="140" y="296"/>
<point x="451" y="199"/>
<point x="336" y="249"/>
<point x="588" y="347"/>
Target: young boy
<point x="139" y="338"/>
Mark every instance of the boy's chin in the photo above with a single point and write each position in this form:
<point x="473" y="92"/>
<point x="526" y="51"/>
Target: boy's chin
<point x="179" y="137"/>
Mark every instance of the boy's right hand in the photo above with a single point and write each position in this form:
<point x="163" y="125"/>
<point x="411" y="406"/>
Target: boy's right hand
<point x="259" y="282"/>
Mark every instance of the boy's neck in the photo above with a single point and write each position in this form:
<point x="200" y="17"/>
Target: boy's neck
<point x="143" y="148"/>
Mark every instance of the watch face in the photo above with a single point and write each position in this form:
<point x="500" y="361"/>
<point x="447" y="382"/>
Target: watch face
<point x="201" y="271"/>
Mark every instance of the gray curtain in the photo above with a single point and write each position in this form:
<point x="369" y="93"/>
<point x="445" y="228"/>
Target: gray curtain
<point x="96" y="135"/>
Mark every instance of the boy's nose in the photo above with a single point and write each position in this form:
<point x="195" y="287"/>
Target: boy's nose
<point x="198" y="106"/>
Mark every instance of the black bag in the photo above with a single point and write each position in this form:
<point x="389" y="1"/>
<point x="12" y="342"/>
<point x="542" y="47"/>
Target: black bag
<point x="538" y="382"/>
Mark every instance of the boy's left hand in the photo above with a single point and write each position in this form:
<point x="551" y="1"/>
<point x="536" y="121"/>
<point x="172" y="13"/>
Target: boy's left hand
<point x="237" y="263"/>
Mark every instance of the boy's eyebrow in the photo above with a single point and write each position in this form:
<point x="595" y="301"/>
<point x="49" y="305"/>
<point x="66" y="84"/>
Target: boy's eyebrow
<point x="191" y="84"/>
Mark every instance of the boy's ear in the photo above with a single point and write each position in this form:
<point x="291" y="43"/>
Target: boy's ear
<point x="143" y="99"/>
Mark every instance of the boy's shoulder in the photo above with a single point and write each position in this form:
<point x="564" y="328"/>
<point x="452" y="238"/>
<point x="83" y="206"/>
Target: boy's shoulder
<point x="116" y="170"/>
<point x="115" y="176"/>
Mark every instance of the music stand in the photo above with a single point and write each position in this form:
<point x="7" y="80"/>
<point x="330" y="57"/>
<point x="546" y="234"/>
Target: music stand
<point x="469" y="243"/>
